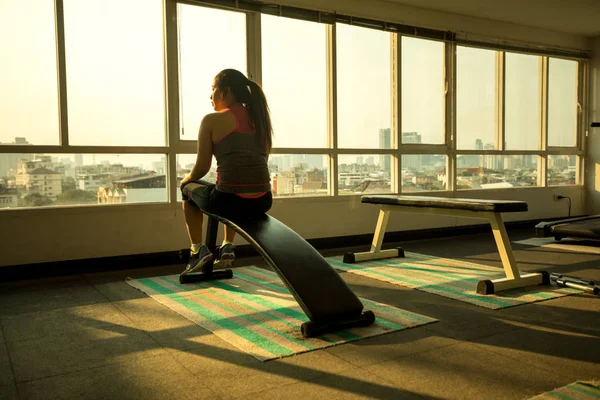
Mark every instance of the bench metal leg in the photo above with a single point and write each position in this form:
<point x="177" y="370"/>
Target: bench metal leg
<point x="376" y="253"/>
<point x="513" y="278"/>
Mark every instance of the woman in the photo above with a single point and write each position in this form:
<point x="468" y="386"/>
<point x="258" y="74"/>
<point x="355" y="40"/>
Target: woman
<point x="239" y="135"/>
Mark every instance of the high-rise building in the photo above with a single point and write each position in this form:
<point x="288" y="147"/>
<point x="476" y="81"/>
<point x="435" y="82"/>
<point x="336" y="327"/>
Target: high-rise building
<point x="492" y="161"/>
<point x="385" y="142"/>
<point x="412" y="161"/>
<point x="478" y="144"/>
<point x="410" y="137"/>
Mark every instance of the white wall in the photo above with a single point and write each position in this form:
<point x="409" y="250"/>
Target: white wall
<point x="592" y="168"/>
<point x="56" y="234"/>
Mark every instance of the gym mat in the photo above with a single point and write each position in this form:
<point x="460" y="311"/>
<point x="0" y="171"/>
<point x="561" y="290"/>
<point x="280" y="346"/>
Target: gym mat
<point x="579" y="390"/>
<point x="256" y="313"/>
<point x="574" y="245"/>
<point x="449" y="278"/>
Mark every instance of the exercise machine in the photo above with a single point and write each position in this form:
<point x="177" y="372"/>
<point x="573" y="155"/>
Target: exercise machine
<point x="321" y="293"/>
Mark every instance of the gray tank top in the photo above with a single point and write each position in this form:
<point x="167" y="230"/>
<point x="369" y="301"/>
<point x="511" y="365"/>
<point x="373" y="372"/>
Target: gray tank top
<point x="242" y="158"/>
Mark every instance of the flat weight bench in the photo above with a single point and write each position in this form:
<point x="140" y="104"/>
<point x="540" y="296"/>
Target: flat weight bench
<point x="319" y="290"/>
<point x="468" y="208"/>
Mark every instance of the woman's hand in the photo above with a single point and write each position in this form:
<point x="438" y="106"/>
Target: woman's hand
<point x="185" y="181"/>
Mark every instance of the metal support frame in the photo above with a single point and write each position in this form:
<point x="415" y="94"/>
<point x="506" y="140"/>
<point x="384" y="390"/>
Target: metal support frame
<point x="513" y="279"/>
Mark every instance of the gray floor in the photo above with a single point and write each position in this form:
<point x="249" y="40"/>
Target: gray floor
<point x="94" y="337"/>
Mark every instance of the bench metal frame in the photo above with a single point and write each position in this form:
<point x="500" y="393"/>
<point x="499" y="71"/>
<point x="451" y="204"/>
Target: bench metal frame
<point x="513" y="278"/>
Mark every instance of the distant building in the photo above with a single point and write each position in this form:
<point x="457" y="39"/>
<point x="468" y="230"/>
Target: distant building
<point x="410" y="137"/>
<point x="282" y="184"/>
<point x="468" y="161"/>
<point x="8" y="197"/>
<point x="40" y="180"/>
<point x="558" y="162"/>
<point x="142" y="182"/>
<point x="92" y="182"/>
<point x="9" y="161"/>
<point x="385" y="142"/>
<point x="412" y="161"/>
<point x="492" y="161"/>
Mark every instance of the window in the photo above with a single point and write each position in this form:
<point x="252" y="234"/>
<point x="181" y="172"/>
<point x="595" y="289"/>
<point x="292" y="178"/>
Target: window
<point x="522" y="102"/>
<point x="209" y="41"/>
<point x="562" y="170"/>
<point x="475" y="98"/>
<point x="562" y="102"/>
<point x="296" y="91"/>
<point x="423" y="88"/>
<point x="115" y="73"/>
<point x="363" y="86"/>
<point x="423" y="172"/>
<point x="28" y="84"/>
<point x="85" y="178"/>
<point x="294" y="175"/>
<point x="507" y="104"/>
<point x="367" y="173"/>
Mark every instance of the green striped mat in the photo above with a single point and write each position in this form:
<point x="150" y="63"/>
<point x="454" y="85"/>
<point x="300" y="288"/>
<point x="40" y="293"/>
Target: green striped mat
<point x="575" y="391"/>
<point x="257" y="314"/>
<point x="449" y="278"/>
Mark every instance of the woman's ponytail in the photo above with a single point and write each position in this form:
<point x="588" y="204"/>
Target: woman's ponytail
<point x="260" y="114"/>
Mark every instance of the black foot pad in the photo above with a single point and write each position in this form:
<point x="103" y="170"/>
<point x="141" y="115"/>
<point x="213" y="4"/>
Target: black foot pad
<point x="349" y="258"/>
<point x="400" y="251"/>
<point x="485" y="287"/>
<point x="202" y="277"/>
<point x="313" y="329"/>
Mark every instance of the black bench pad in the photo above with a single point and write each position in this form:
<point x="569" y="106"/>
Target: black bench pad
<point x="317" y="287"/>
<point x="498" y="206"/>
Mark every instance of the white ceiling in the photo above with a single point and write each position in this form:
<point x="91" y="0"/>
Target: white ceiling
<point x="580" y="17"/>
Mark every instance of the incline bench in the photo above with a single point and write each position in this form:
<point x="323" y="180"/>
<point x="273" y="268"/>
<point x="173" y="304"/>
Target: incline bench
<point x="469" y="208"/>
<point x="319" y="290"/>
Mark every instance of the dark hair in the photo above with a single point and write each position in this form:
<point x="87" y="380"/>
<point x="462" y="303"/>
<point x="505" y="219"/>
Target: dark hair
<point x="252" y="97"/>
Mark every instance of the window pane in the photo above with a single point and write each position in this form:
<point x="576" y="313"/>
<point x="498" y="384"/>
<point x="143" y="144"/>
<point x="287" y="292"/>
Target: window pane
<point x="296" y="91"/>
<point x="492" y="171"/>
<point x="423" y="172"/>
<point x="363" y="85"/>
<point x="522" y="102"/>
<point x="368" y="173"/>
<point x="562" y="102"/>
<point x="423" y="89"/>
<point x="209" y="41"/>
<point x="35" y="180"/>
<point x="115" y="77"/>
<point x="185" y="164"/>
<point x="28" y="75"/>
<point x="294" y="175"/>
<point x="475" y="98"/>
<point x="562" y="170"/>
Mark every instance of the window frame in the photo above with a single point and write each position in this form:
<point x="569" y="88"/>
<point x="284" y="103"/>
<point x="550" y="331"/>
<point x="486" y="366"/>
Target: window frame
<point x="175" y="145"/>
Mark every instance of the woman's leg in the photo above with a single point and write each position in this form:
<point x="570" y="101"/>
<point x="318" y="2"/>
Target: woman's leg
<point x="229" y="234"/>
<point x="193" y="221"/>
